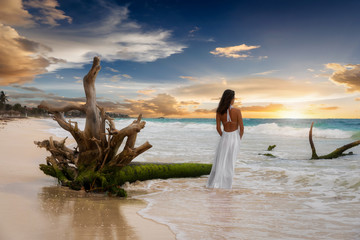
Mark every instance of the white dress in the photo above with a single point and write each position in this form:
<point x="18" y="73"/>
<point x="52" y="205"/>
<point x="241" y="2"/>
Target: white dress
<point x="222" y="171"/>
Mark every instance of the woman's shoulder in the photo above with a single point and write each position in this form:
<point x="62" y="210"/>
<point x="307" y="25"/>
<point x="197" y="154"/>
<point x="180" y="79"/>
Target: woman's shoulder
<point x="236" y="109"/>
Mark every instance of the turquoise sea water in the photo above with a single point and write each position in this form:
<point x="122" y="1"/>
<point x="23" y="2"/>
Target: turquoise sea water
<point x="347" y="125"/>
<point x="341" y="124"/>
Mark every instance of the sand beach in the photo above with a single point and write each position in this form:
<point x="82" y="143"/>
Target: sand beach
<point x="33" y="206"/>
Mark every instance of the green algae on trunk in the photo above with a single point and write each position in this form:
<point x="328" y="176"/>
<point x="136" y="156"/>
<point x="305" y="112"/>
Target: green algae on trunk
<point x="110" y="179"/>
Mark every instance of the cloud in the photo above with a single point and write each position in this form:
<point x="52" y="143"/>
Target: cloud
<point x="37" y="95"/>
<point x="189" y="103"/>
<point x="335" y="66"/>
<point x="188" y="78"/>
<point x="112" y="69"/>
<point x="357" y="99"/>
<point x="234" y="51"/>
<point x="193" y="31"/>
<point x="115" y="78"/>
<point x="266" y="73"/>
<point x="269" y="108"/>
<point x="31" y="89"/>
<point x="45" y="96"/>
<point x="21" y="59"/>
<point x="109" y="106"/>
<point x="311" y="70"/>
<point x="126" y="76"/>
<point x="113" y="86"/>
<point x="326" y="75"/>
<point x="112" y="36"/>
<point x="347" y="75"/>
<point x="161" y="105"/>
<point x="146" y="91"/>
<point x="205" y="111"/>
<point x="48" y="12"/>
<point x="260" y="89"/>
<point x="329" y="108"/>
<point x="13" y="13"/>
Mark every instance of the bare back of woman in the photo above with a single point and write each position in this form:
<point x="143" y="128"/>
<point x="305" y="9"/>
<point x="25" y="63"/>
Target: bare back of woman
<point x="231" y="121"/>
<point x="232" y="125"/>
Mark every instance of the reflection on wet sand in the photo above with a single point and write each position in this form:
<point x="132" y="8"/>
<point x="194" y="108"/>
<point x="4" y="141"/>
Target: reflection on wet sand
<point x="83" y="216"/>
<point x="79" y="215"/>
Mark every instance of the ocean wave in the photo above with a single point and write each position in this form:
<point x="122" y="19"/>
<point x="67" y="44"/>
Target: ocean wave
<point x="275" y="129"/>
<point x="206" y="126"/>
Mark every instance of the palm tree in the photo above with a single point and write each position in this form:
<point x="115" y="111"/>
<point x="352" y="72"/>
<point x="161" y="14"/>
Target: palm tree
<point x="3" y="100"/>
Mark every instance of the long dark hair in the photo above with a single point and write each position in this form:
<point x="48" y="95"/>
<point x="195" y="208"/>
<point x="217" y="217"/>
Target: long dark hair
<point x="225" y="101"/>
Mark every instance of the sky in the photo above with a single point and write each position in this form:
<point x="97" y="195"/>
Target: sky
<point x="162" y="58"/>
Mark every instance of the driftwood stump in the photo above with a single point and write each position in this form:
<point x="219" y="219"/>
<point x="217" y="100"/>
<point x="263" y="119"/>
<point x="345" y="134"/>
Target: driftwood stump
<point x="97" y="146"/>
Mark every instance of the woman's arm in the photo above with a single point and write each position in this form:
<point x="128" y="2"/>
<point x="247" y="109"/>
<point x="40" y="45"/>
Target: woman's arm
<point x="241" y="124"/>
<point x="218" y="124"/>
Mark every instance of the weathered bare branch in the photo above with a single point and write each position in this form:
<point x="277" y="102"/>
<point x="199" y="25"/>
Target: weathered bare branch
<point x="102" y="125"/>
<point x="112" y="130"/>
<point x="128" y="154"/>
<point x="73" y="130"/>
<point x="92" y="124"/>
<point x="71" y="106"/>
<point x="98" y="144"/>
<point x="334" y="154"/>
<point x="59" y="150"/>
<point x="314" y="155"/>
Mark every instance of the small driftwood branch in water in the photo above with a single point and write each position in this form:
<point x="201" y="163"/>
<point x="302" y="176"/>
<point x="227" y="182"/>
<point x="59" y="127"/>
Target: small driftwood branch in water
<point x="336" y="153"/>
<point x="271" y="147"/>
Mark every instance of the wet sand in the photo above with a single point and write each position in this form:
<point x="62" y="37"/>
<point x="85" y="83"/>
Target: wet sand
<point x="33" y="206"/>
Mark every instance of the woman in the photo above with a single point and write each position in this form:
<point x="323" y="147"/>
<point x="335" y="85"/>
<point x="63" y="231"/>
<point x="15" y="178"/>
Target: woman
<point x="222" y="171"/>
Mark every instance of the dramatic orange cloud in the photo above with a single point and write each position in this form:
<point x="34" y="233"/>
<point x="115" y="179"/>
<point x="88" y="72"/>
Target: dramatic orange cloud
<point x="189" y="103"/>
<point x="329" y="108"/>
<point x="347" y="75"/>
<point x="161" y="105"/>
<point x="206" y="111"/>
<point x="269" y="108"/>
<point x="21" y="59"/>
<point x="13" y="13"/>
<point x="234" y="51"/>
